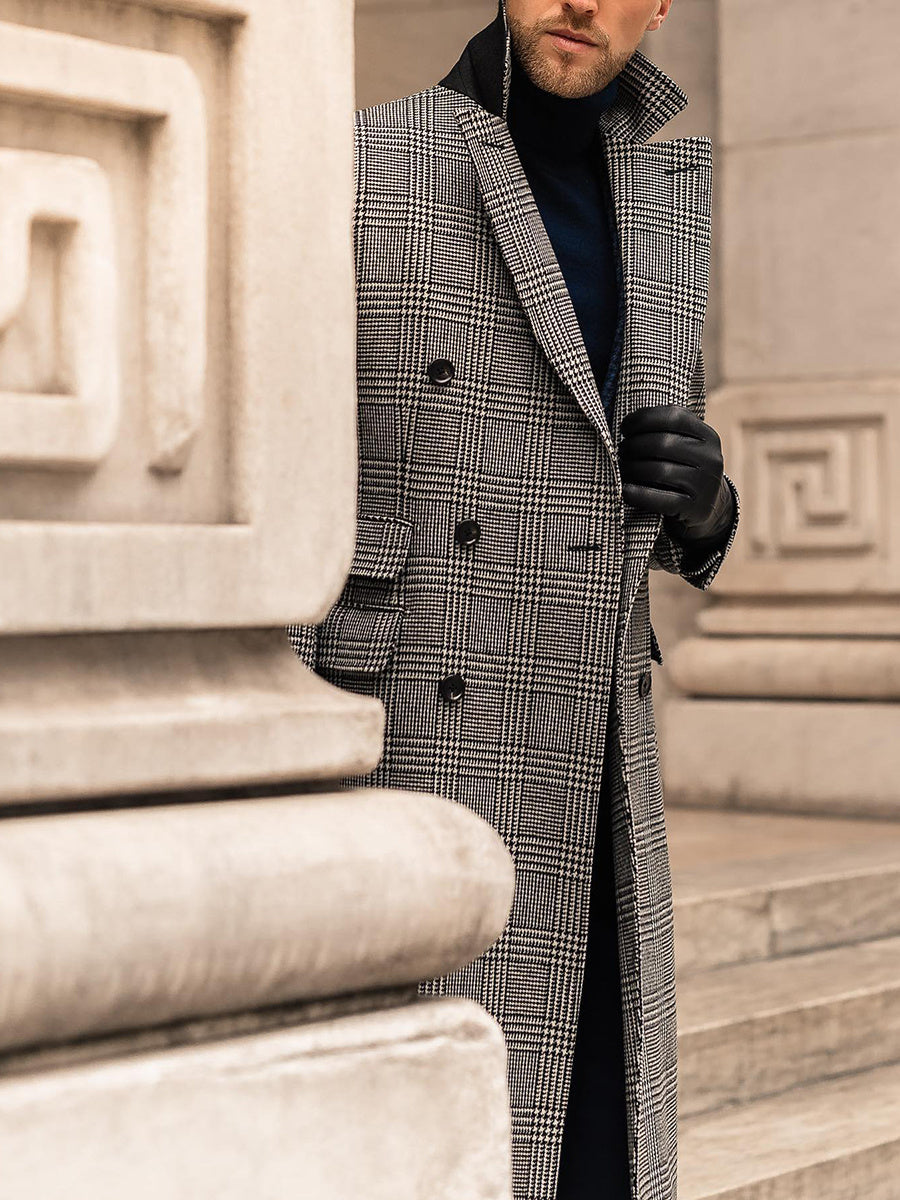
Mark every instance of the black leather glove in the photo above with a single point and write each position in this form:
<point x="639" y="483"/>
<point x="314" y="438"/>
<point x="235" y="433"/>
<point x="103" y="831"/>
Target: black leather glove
<point x="671" y="463"/>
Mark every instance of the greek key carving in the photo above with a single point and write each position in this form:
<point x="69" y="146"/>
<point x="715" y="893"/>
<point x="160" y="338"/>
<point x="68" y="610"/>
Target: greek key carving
<point x="161" y="94"/>
<point x="815" y="487"/>
<point x="75" y="425"/>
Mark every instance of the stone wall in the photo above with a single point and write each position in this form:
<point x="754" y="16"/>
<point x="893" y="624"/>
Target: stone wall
<point x="795" y="677"/>
<point x="405" y="45"/>
<point x="210" y="950"/>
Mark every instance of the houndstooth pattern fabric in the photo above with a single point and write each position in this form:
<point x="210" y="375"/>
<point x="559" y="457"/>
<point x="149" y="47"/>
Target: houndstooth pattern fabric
<point x="546" y="616"/>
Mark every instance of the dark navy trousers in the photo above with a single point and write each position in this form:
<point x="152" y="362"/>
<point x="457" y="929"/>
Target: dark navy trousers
<point x="594" y="1162"/>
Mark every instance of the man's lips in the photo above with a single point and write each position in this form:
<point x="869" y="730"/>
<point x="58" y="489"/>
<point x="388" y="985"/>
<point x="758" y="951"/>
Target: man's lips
<point x="571" y="36"/>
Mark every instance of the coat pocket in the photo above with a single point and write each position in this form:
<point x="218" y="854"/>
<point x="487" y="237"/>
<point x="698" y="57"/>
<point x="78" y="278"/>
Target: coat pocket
<point x="359" y="639"/>
<point x="382" y="547"/>
<point x="360" y="633"/>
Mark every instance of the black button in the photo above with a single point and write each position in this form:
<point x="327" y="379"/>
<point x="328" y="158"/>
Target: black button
<point x="452" y="687"/>
<point x="468" y="532"/>
<point x="441" y="371"/>
<point x="644" y="684"/>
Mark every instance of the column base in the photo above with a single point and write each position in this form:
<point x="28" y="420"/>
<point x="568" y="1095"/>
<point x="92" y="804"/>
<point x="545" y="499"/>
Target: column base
<point x="94" y="715"/>
<point x="831" y="758"/>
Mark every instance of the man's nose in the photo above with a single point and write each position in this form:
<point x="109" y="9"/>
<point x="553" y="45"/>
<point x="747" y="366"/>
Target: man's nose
<point x="581" y="8"/>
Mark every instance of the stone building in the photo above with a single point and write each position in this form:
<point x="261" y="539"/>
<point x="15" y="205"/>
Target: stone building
<point x="198" y="997"/>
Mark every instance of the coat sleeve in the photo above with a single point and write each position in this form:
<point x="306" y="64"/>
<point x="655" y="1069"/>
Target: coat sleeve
<point x="669" y="553"/>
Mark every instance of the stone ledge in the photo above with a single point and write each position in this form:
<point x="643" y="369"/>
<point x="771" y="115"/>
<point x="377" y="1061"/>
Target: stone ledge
<point x="396" y="1105"/>
<point x="126" y="919"/>
<point x="755" y="1029"/>
<point x="88" y="715"/>
<point x="799" y="756"/>
<point x="829" y="1141"/>
<point x="751" y="886"/>
<point x="813" y="668"/>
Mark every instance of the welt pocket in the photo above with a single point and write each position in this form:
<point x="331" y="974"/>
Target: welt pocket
<point x="359" y="639"/>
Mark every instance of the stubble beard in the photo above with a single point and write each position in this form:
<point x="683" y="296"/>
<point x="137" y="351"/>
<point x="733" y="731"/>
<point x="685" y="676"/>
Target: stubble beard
<point x="561" y="73"/>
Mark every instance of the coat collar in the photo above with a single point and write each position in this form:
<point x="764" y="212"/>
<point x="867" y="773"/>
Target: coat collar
<point x="647" y="98"/>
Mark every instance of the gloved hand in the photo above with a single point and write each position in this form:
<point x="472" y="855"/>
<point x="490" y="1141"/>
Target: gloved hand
<point x="671" y="463"/>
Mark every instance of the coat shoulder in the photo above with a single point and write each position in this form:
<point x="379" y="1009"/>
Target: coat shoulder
<point x="431" y="113"/>
<point x="415" y="142"/>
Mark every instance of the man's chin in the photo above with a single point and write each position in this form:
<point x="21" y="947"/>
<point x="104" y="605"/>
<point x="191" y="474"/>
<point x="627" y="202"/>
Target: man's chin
<point x="571" y="85"/>
<point x="567" y="80"/>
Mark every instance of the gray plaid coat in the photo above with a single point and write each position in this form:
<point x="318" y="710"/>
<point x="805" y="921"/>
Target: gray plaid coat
<point x="494" y="545"/>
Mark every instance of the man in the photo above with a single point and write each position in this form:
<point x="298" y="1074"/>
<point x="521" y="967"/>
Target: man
<point x="532" y="278"/>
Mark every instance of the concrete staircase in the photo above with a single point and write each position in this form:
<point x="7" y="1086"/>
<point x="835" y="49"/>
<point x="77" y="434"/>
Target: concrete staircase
<point x="788" y="958"/>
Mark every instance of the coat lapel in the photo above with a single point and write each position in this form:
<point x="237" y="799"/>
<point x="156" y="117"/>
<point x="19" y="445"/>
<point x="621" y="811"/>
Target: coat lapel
<point x="529" y="255"/>
<point x="662" y="192"/>
<point x="662" y="197"/>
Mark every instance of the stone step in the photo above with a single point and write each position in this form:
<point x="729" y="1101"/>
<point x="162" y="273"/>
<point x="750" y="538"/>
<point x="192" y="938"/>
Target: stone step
<point x="837" y="1140"/>
<point x="750" y="886"/>
<point x="754" y="1029"/>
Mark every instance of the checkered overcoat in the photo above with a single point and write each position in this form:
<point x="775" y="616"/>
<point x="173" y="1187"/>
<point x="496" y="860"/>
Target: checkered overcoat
<point x="546" y="615"/>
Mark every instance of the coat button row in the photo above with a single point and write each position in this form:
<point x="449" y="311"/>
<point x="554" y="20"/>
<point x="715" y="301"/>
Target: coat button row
<point x="441" y="372"/>
<point x="452" y="687"/>
<point x="468" y="532"/>
<point x="645" y="682"/>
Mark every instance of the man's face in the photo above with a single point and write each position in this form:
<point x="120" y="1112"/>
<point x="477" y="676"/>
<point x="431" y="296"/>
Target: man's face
<point x="574" y="68"/>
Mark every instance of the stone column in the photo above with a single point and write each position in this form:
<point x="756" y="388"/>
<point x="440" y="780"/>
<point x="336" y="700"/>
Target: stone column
<point x="210" y="951"/>
<point x="789" y="693"/>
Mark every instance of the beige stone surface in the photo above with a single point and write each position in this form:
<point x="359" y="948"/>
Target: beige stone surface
<point x="720" y="846"/>
<point x="789" y="756"/>
<point x="838" y="1140"/>
<point x="174" y="455"/>
<point x="76" y="426"/>
<point x="753" y="1029"/>
<point x="208" y="998"/>
<point x="829" y="68"/>
<point x="861" y="616"/>
<point x="404" y="47"/>
<point x="815" y="899"/>
<point x="130" y="918"/>
<point x="391" y="1106"/>
<point x="42" y="67"/>
<point x="94" y="715"/>
<point x="184" y="60"/>
<point x="685" y="48"/>
<point x="751" y="886"/>
<point x="812" y="667"/>
<point x="205" y="139"/>
<point x="815" y="465"/>
<point x="224" y="10"/>
<point x="806" y="403"/>
<point x="833" y="192"/>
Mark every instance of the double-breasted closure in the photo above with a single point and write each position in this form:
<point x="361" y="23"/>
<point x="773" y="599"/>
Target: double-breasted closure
<point x="498" y="599"/>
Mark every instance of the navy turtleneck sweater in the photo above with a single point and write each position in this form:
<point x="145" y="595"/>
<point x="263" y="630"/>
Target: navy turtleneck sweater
<point x="562" y="155"/>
